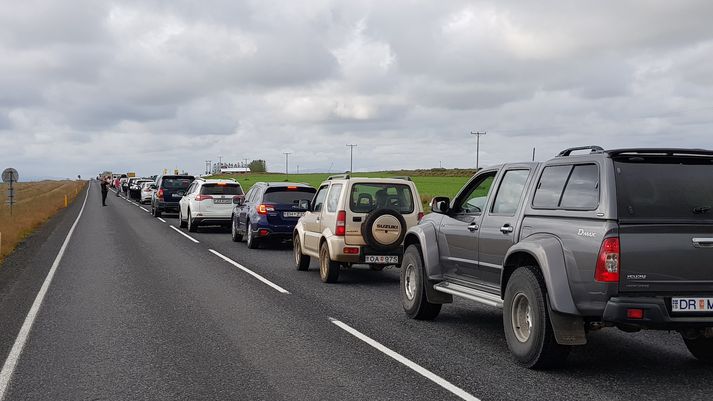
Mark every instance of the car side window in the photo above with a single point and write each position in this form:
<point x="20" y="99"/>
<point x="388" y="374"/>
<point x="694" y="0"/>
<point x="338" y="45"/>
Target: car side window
<point x="333" y="199"/>
<point x="473" y="201"/>
<point x="549" y="189"/>
<point x="319" y="199"/>
<point x="512" y="186"/>
<point x="574" y="187"/>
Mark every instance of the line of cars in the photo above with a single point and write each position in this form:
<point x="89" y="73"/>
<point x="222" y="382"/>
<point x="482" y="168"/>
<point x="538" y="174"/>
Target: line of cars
<point x="590" y="239"/>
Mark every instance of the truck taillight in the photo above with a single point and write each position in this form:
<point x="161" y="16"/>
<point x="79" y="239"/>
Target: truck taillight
<point x="420" y="216"/>
<point x="607" y="270"/>
<point x="341" y="228"/>
<point x="203" y="197"/>
<point x="263" y="209"/>
<point x="159" y="194"/>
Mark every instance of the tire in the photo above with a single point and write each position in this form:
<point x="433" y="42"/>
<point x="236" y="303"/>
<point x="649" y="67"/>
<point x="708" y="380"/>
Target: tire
<point x="525" y="302"/>
<point x="237" y="237"/>
<point x="301" y="260"/>
<point x="701" y="348"/>
<point x="181" y="223"/>
<point x="252" y="242"/>
<point x="368" y="233"/>
<point x="413" y="287"/>
<point x="157" y="212"/>
<point x="192" y="226"/>
<point x="328" y="269"/>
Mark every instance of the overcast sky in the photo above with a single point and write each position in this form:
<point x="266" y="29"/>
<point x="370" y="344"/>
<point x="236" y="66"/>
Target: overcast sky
<point x="144" y="85"/>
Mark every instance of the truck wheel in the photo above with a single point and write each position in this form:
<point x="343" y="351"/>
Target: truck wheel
<point x="328" y="269"/>
<point x="701" y="348"/>
<point x="526" y="321"/>
<point x="413" y="287"/>
<point x="237" y="237"/>
<point x="301" y="260"/>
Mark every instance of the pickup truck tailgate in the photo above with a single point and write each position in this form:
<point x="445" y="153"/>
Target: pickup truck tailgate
<point x="666" y="258"/>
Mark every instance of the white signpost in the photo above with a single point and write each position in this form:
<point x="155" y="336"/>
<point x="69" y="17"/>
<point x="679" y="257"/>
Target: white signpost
<point x="10" y="176"/>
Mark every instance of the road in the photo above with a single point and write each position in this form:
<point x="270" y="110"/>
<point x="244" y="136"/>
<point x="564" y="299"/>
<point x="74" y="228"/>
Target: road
<point x="136" y="310"/>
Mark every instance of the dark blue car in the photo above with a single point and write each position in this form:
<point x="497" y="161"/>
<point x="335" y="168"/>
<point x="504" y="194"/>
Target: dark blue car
<point x="270" y="210"/>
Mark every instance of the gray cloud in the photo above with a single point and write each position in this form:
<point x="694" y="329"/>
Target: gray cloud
<point x="146" y="85"/>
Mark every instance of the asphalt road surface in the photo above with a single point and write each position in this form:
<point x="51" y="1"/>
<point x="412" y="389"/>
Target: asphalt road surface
<point x="136" y="310"/>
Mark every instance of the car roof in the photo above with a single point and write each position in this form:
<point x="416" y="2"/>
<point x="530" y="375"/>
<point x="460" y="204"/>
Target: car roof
<point x="217" y="181"/>
<point x="371" y="180"/>
<point x="283" y="184"/>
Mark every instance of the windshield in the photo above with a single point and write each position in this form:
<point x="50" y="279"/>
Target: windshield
<point x="176" y="183"/>
<point x="665" y="188"/>
<point x="225" y="189"/>
<point x="288" y="196"/>
<point x="366" y="197"/>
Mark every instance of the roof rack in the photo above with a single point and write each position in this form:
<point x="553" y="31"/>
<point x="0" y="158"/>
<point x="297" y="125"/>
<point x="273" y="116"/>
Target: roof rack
<point x="402" y="177"/>
<point x="339" y="176"/>
<point x="593" y="148"/>
<point x="661" y="151"/>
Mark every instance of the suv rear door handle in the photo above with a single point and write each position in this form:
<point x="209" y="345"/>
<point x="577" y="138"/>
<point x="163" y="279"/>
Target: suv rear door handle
<point x="506" y="229"/>
<point x="473" y="227"/>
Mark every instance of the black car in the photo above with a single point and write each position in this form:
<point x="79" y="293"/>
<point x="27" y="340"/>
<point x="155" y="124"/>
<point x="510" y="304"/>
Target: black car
<point x="169" y="191"/>
<point x="269" y="210"/>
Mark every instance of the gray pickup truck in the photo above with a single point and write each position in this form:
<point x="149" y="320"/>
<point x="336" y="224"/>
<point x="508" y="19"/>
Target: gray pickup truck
<point x="587" y="240"/>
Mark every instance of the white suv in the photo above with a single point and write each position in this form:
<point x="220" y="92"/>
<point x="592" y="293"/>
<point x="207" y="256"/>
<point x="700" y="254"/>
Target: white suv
<point x="209" y="202"/>
<point x="356" y="221"/>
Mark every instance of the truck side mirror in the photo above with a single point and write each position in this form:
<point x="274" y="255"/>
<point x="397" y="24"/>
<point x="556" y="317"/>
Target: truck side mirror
<point x="440" y="204"/>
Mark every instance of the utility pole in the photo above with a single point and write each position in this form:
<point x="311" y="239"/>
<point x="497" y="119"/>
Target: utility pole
<point x="207" y="166"/>
<point x="246" y="163"/>
<point x="287" y="158"/>
<point x="477" y="148"/>
<point x="220" y="161"/>
<point x="351" y="158"/>
<point x="533" y="154"/>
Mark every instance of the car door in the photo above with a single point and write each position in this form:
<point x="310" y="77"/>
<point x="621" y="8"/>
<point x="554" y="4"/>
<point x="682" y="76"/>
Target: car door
<point x="458" y="237"/>
<point x="498" y="229"/>
<point x="248" y="205"/>
<point x="311" y="220"/>
<point x="185" y="202"/>
<point x="240" y="209"/>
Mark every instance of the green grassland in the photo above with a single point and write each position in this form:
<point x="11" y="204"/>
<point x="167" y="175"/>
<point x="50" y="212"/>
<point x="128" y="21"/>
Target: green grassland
<point x="430" y="183"/>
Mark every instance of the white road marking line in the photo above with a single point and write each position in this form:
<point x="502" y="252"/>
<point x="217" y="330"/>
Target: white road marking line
<point x="162" y="220"/>
<point x="144" y="209"/>
<point x="184" y="234"/>
<point x="407" y="362"/>
<point x="14" y="356"/>
<point x="250" y="272"/>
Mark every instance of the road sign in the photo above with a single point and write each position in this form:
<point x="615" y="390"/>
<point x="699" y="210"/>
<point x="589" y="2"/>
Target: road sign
<point x="10" y="175"/>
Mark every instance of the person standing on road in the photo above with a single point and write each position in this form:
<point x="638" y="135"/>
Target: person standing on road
<point x="105" y="190"/>
<point x="117" y="185"/>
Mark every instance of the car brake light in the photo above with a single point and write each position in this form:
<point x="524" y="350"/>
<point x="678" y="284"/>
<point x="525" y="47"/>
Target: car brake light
<point x="222" y="184"/>
<point x="159" y="194"/>
<point x="341" y="228"/>
<point x="634" y="313"/>
<point x="351" y="250"/>
<point x="203" y="197"/>
<point x="263" y="209"/>
<point x="607" y="269"/>
<point x="291" y="187"/>
<point x="420" y="216"/>
<point x="262" y="232"/>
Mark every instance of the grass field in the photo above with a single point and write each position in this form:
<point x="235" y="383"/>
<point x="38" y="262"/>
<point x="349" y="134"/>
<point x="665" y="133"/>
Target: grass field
<point x="430" y="183"/>
<point x="35" y="203"/>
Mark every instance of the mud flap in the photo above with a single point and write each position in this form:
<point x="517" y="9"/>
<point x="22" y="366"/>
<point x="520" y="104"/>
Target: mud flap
<point x="568" y="329"/>
<point x="437" y="297"/>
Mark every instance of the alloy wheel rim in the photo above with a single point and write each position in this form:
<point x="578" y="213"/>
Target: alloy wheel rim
<point x="521" y="317"/>
<point x="250" y="234"/>
<point x="323" y="265"/>
<point x="410" y="282"/>
<point x="297" y="251"/>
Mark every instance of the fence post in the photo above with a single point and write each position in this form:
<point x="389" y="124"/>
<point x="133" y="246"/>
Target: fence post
<point x="65" y="201"/>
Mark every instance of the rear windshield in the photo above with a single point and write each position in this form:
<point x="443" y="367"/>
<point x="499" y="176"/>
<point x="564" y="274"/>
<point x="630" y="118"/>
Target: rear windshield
<point x="366" y="197"/>
<point x="226" y="189"/>
<point x="665" y="188"/>
<point x="176" y="183"/>
<point x="283" y="195"/>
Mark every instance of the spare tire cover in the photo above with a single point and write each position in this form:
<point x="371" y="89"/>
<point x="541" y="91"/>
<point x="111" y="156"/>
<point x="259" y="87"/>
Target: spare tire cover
<point x="384" y="229"/>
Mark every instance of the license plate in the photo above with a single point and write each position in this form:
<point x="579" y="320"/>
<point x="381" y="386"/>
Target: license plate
<point x="222" y="201"/>
<point x="692" y="304"/>
<point x="383" y="260"/>
<point x="293" y="214"/>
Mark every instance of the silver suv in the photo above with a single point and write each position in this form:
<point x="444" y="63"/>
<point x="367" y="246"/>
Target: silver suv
<point x="354" y="220"/>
